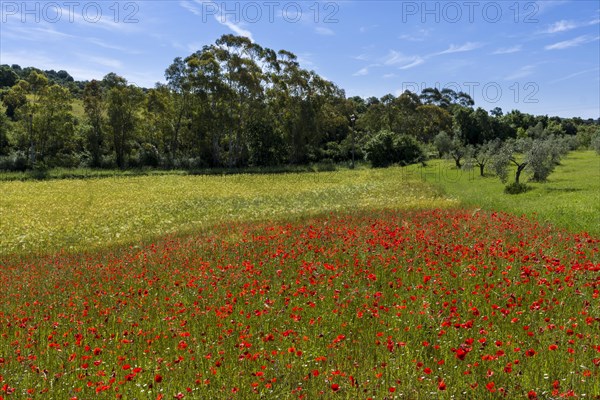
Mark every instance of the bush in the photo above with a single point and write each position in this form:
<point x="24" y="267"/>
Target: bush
<point x="386" y="148"/>
<point x="516" y="188"/>
<point x="380" y="149"/>
<point x="408" y="150"/>
<point x="595" y="142"/>
<point x="15" y="161"/>
<point x="324" y="165"/>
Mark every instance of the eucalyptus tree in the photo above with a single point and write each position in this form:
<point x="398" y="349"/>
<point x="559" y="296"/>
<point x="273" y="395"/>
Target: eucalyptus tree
<point x="178" y="82"/>
<point x="43" y="115"/>
<point x="94" y="107"/>
<point x="123" y="103"/>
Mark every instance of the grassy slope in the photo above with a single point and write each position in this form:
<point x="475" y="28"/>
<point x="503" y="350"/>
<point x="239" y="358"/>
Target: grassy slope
<point x="570" y="198"/>
<point x="42" y="216"/>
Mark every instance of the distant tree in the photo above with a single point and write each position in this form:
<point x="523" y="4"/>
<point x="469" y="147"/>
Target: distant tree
<point x="595" y="142"/>
<point x="94" y="107"/>
<point x="537" y="131"/>
<point x="481" y="155"/>
<point x="386" y="148"/>
<point x="457" y="150"/>
<point x="533" y="155"/>
<point x="496" y="112"/>
<point x="123" y="103"/>
<point x="4" y="132"/>
<point x="443" y="143"/>
<point x="451" y="147"/>
<point x="8" y="77"/>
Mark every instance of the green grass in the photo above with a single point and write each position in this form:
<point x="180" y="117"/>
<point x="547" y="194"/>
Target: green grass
<point x="129" y="207"/>
<point x="569" y="199"/>
<point x="76" y="215"/>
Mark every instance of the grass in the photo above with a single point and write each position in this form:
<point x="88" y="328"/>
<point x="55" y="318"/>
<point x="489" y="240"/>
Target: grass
<point x="75" y="215"/>
<point x="569" y="199"/>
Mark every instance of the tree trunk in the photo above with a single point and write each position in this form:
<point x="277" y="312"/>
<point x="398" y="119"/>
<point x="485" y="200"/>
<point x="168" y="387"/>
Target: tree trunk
<point x="457" y="162"/>
<point x="520" y="169"/>
<point x="481" y="167"/>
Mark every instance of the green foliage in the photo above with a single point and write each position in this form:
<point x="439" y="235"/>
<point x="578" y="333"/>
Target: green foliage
<point x="443" y="143"/>
<point x="380" y="149"/>
<point x="516" y="188"/>
<point x="387" y="148"/>
<point x="595" y="142"/>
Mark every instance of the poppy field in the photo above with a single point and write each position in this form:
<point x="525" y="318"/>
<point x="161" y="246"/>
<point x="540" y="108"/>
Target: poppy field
<point x="456" y="303"/>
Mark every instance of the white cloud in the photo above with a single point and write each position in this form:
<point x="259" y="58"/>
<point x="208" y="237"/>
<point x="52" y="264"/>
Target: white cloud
<point x="508" y="50"/>
<point x="419" y="36"/>
<point x="565" y="44"/>
<point x="219" y="17"/>
<point x="111" y="46"/>
<point x="362" y="72"/>
<point x="324" y="31"/>
<point x="238" y="30"/>
<point x="469" y="46"/>
<point x="361" y="57"/>
<point x="564" y="25"/>
<point x="414" y="63"/>
<point x="573" y="75"/>
<point x="521" y="73"/>
<point x="561" y="26"/>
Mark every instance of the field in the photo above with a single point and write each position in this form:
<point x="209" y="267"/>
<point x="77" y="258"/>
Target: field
<point x="570" y="198"/>
<point x="88" y="214"/>
<point x="386" y="284"/>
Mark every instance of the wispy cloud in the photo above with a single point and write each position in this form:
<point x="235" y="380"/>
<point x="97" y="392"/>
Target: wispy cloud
<point x="324" y="31"/>
<point x="521" y="73"/>
<point x="361" y="57"/>
<point x="362" y="72"/>
<point x="469" y="46"/>
<point x="508" y="50"/>
<point x="565" y="25"/>
<point x="38" y="34"/>
<point x="219" y="16"/>
<point x="398" y="59"/>
<point x="578" y="41"/>
<point x="575" y="74"/>
<point x="111" y="46"/>
<point x="389" y="76"/>
<point x="235" y="28"/>
<point x="419" y="36"/>
<point x="561" y="26"/>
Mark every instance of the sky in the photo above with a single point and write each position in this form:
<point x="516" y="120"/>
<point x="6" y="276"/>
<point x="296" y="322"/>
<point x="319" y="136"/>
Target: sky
<point x="541" y="57"/>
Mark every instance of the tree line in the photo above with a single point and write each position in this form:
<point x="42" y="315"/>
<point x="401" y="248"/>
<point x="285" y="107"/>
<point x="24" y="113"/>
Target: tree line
<point x="236" y="104"/>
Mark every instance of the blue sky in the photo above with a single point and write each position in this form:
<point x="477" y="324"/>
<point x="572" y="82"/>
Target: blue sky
<point x="542" y="57"/>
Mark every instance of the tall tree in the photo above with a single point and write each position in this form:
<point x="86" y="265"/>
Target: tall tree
<point x="123" y="103"/>
<point x="94" y="107"/>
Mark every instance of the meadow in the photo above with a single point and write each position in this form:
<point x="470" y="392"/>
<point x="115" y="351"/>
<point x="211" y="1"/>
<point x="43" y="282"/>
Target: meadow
<point x="399" y="283"/>
<point x="569" y="199"/>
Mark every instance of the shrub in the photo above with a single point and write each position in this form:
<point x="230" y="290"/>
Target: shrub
<point x="516" y="188"/>
<point x="380" y="149"/>
<point x="386" y="148"/>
